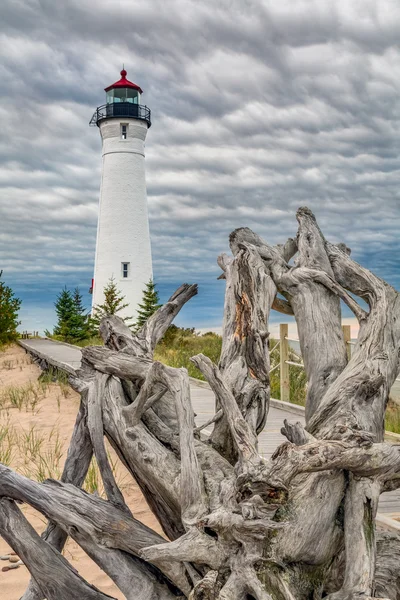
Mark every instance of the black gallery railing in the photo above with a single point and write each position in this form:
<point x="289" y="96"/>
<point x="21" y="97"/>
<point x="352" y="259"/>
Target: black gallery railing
<point x="121" y="109"/>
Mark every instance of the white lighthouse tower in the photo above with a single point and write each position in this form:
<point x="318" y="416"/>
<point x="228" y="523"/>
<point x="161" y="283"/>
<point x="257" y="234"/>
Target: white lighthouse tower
<point x="123" y="240"/>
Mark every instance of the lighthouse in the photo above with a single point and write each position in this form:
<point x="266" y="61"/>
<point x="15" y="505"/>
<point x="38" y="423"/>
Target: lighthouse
<point x="123" y="239"/>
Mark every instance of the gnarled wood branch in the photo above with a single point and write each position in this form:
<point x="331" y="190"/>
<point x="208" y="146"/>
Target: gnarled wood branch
<point x="95" y="424"/>
<point x="76" y="466"/>
<point x="55" y="577"/>
<point x="244" y="362"/>
<point x="241" y="432"/>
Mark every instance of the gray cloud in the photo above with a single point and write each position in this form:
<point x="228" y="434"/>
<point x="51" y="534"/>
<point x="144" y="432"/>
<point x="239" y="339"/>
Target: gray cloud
<point x="258" y="108"/>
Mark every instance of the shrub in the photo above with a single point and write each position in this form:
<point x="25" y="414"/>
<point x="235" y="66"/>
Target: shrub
<point x="72" y="320"/>
<point x="149" y="305"/>
<point x="112" y="305"/>
<point x="9" y="308"/>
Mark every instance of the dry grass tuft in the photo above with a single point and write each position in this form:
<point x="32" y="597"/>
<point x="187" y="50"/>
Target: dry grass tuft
<point x="94" y="484"/>
<point x="7" y="444"/>
<point x="392" y="417"/>
<point x="23" y="396"/>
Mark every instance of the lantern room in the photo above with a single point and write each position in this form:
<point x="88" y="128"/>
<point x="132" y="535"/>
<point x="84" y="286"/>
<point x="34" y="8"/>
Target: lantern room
<point x="122" y="101"/>
<point x="123" y="90"/>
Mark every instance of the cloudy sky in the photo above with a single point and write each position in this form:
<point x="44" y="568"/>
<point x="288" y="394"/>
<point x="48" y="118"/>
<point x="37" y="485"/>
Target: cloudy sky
<point x="258" y="107"/>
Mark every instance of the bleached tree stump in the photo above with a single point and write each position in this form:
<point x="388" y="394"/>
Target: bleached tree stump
<point x="300" y="525"/>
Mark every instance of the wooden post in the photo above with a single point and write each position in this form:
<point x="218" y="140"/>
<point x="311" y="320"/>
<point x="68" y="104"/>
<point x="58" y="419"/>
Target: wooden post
<point x="284" y="347"/>
<point x="347" y="339"/>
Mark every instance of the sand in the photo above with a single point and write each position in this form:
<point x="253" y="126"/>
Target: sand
<point x="55" y="413"/>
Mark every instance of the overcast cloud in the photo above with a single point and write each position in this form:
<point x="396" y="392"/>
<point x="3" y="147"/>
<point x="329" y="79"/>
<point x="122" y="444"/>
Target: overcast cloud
<point x="258" y="107"/>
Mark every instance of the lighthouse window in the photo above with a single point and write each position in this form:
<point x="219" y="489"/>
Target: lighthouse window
<point x="123" y="95"/>
<point x="125" y="270"/>
<point x="124" y="132"/>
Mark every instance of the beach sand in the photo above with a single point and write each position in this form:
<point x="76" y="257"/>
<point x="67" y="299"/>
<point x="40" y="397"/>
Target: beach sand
<point x="53" y="416"/>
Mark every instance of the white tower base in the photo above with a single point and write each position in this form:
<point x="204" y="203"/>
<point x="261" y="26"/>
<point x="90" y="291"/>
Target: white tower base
<point x="123" y="236"/>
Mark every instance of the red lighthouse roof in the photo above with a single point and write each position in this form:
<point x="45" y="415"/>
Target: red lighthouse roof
<point x="123" y="83"/>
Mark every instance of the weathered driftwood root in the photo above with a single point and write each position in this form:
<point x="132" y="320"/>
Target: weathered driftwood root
<point x="244" y="362"/>
<point x="387" y="573"/>
<point x="80" y="453"/>
<point x="91" y="521"/>
<point x="300" y="525"/>
<point x="54" y="575"/>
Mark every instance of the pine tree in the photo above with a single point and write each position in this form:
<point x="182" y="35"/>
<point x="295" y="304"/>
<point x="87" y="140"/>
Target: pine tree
<point x="150" y="303"/>
<point x="72" y="320"/>
<point x="78" y="302"/>
<point x="65" y="310"/>
<point x="112" y="305"/>
<point x="79" y="322"/>
<point x="9" y="307"/>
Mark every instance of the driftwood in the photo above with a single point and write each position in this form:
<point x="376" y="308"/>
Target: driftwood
<point x="238" y="527"/>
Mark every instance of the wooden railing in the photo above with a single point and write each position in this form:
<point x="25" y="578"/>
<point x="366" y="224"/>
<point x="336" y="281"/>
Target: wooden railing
<point x="25" y="335"/>
<point x="285" y="363"/>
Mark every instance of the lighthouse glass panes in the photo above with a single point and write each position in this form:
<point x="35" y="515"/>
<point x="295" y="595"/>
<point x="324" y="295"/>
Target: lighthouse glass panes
<point x="125" y="270"/>
<point x="123" y="95"/>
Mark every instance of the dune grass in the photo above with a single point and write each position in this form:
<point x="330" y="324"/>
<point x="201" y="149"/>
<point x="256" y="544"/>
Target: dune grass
<point x="297" y="376"/>
<point x="54" y="375"/>
<point x="10" y="364"/>
<point x="22" y="396"/>
<point x="7" y="444"/>
<point x="42" y="454"/>
<point x="392" y="417"/>
<point x="177" y="347"/>
<point x="33" y="453"/>
<point x="93" y="483"/>
<point x="92" y="341"/>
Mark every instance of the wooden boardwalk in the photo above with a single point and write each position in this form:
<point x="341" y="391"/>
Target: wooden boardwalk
<point x="68" y="358"/>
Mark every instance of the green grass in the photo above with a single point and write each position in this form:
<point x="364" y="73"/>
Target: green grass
<point x="27" y="397"/>
<point x="176" y="350"/>
<point x="93" y="483"/>
<point x="48" y="464"/>
<point x="53" y="375"/>
<point x="31" y="442"/>
<point x="297" y="377"/>
<point x="24" y="396"/>
<point x="38" y="456"/>
<point x="392" y="417"/>
<point x="7" y="444"/>
<point x="93" y="341"/>
<point x="42" y="455"/>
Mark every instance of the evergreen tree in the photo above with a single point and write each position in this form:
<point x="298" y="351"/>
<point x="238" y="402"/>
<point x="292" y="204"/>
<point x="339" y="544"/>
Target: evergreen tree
<point x="9" y="307"/>
<point x="78" y="302"/>
<point x="65" y="309"/>
<point x="79" y="322"/>
<point x="150" y="303"/>
<point x="72" y="320"/>
<point x="112" y="305"/>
